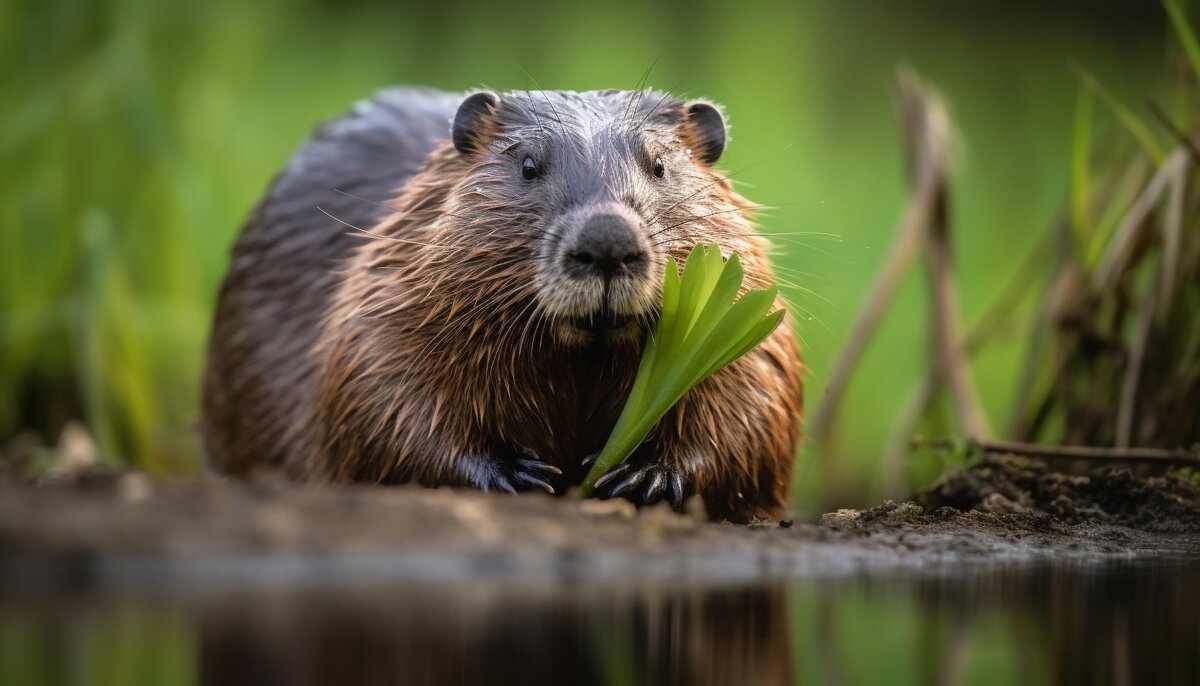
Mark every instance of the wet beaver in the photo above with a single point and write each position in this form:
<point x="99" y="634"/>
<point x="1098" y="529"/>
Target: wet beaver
<point x="469" y="310"/>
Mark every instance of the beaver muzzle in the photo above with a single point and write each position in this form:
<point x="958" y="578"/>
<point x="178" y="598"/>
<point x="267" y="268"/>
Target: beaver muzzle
<point x="606" y="246"/>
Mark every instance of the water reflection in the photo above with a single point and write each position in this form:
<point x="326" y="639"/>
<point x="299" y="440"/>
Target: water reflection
<point x="497" y="636"/>
<point x="1125" y="624"/>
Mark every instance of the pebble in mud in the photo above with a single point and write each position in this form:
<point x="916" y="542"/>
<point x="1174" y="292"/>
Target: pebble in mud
<point x="1000" y="505"/>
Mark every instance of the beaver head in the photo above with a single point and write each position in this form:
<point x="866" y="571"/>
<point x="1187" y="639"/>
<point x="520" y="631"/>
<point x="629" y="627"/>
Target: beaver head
<point x="600" y="187"/>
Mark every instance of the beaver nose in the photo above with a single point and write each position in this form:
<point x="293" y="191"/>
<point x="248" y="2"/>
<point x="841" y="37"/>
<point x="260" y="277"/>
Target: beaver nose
<point x="606" y="244"/>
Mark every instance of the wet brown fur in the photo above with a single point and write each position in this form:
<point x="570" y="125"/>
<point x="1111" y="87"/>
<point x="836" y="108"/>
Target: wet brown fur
<point x="434" y="351"/>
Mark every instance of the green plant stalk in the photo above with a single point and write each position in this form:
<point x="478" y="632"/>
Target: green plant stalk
<point x="701" y="329"/>
<point x="1187" y="37"/>
<point x="1080" y="181"/>
<point x="1127" y="118"/>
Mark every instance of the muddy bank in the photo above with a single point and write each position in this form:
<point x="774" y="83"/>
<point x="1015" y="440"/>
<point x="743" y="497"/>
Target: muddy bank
<point x="1011" y="484"/>
<point x="129" y="529"/>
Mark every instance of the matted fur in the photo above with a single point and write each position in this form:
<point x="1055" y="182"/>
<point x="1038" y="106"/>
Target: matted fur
<point x="446" y="340"/>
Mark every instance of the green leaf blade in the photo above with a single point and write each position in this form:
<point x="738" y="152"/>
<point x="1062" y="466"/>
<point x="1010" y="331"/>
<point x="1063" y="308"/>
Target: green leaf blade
<point x="1187" y="37"/>
<point x="701" y="329"/>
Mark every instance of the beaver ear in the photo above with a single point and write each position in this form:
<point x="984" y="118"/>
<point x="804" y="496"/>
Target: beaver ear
<point x="472" y="125"/>
<point x="704" y="130"/>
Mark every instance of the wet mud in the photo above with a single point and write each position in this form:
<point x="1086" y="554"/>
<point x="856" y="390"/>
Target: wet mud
<point x="108" y="529"/>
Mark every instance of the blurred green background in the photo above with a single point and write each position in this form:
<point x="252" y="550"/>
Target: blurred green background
<point x="135" y="136"/>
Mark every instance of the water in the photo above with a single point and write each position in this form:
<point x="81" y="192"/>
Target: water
<point x="1133" y="622"/>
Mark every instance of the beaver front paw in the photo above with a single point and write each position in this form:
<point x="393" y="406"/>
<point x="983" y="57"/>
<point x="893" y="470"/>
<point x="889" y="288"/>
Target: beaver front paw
<point x="641" y="481"/>
<point x="521" y="471"/>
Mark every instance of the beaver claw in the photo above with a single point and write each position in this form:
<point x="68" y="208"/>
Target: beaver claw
<point x="520" y="472"/>
<point x="641" y="482"/>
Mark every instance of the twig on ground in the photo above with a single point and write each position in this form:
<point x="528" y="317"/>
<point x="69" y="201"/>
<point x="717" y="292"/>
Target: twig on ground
<point x="1183" y="456"/>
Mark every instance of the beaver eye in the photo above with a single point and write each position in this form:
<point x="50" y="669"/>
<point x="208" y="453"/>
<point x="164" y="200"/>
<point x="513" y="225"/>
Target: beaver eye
<point x="659" y="169"/>
<point x="529" y="169"/>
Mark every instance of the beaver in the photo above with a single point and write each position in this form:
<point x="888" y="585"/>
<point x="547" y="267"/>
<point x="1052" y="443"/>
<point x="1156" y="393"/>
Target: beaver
<point x="454" y="290"/>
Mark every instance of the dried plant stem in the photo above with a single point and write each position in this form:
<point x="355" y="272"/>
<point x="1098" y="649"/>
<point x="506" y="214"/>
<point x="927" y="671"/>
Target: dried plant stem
<point x="997" y="315"/>
<point x="1172" y="239"/>
<point x="1157" y="299"/>
<point x="900" y="257"/>
<point x="1124" y="240"/>
<point x="928" y="135"/>
<point x="1179" y="134"/>
<point x="1061" y="283"/>
<point x="1179" y="456"/>
<point x="1133" y="370"/>
<point x="948" y="349"/>
<point x="926" y="130"/>
<point x="891" y="466"/>
<point x="1084" y="452"/>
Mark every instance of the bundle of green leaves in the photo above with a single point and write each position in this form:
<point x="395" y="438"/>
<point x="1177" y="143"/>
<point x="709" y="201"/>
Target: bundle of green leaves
<point x="701" y="329"/>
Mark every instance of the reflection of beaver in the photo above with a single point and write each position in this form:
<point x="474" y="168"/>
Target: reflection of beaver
<point x="488" y="632"/>
<point x="489" y="334"/>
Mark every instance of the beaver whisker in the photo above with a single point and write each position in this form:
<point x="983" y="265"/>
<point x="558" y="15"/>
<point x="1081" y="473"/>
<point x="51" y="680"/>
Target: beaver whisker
<point x="366" y="200"/>
<point x="551" y="234"/>
<point x="703" y="216"/>
<point x="540" y="320"/>
<point x="533" y="111"/>
<point x="537" y="319"/>
<point x="640" y="89"/>
<point x="800" y="273"/>
<point x="526" y="316"/>
<point x="637" y="94"/>
<point x="389" y="207"/>
<point x="826" y="253"/>
<point x="377" y="309"/>
<point x="820" y="234"/>
<point x="808" y="246"/>
<point x="553" y="109"/>
<point x="720" y="180"/>
<point x="391" y="300"/>
<point x="464" y="318"/>
<point x="658" y="104"/>
<point x="381" y="237"/>
<point x="530" y="300"/>
<point x="684" y="199"/>
<point x="807" y="291"/>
